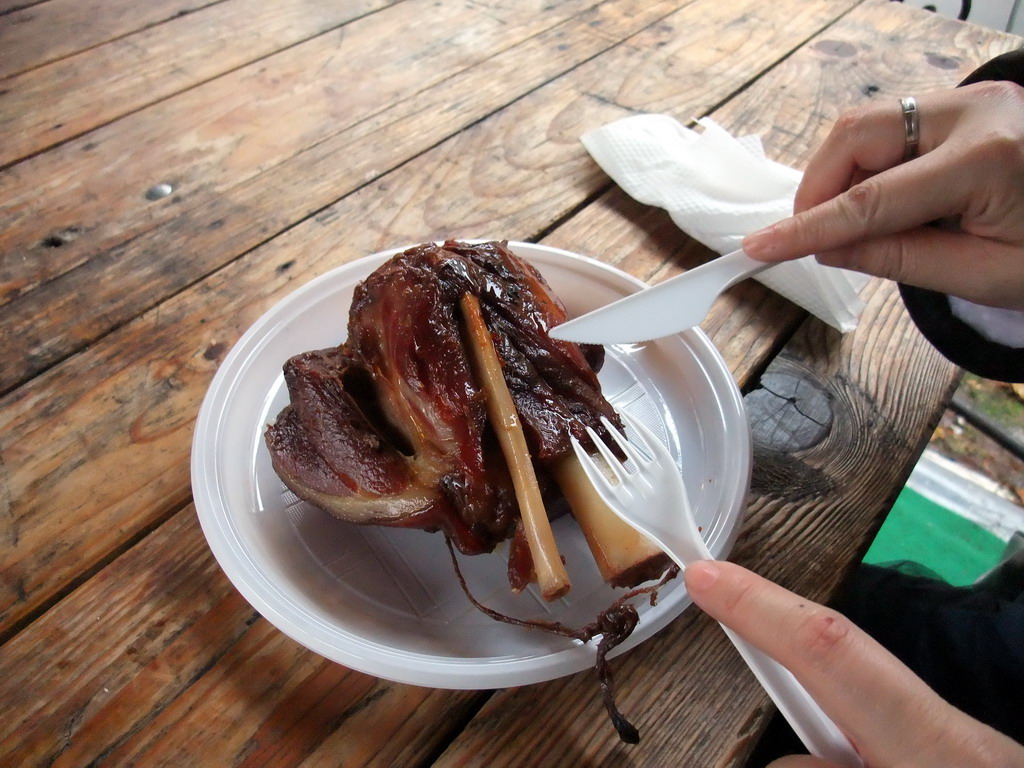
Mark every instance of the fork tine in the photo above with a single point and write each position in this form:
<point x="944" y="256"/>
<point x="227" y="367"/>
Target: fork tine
<point x="596" y="477"/>
<point x="628" y="448"/>
<point x="645" y="437"/>
<point x="610" y="458"/>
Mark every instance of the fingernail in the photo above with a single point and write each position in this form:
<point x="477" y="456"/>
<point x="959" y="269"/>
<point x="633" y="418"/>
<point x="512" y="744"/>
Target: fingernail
<point x="700" y="576"/>
<point x="758" y="244"/>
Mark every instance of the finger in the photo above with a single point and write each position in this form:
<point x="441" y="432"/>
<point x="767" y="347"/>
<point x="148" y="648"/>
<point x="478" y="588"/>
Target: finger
<point x="900" y="198"/>
<point x="841" y="667"/>
<point x="861" y="142"/>
<point x="934" y="259"/>
<point x="873" y="138"/>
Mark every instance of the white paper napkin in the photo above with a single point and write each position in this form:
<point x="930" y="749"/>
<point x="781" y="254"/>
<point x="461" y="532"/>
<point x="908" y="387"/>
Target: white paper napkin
<point x="718" y="189"/>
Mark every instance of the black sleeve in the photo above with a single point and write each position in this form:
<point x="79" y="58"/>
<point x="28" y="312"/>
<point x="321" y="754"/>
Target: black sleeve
<point x="964" y="642"/>
<point x="1009" y="66"/>
<point x="930" y="310"/>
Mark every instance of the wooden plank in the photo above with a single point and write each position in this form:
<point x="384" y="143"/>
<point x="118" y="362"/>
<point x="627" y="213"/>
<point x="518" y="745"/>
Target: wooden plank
<point x="116" y="672"/>
<point x="562" y="722"/>
<point x="377" y="127"/>
<point x="63" y="99"/>
<point x="144" y="629"/>
<point x="38" y="34"/>
<point x="50" y="324"/>
<point x="853" y="71"/>
<point x="201" y="130"/>
<point x="136" y="392"/>
<point x="270" y="702"/>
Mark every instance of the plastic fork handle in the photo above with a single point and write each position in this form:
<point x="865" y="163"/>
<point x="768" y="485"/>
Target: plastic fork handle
<point x="816" y="730"/>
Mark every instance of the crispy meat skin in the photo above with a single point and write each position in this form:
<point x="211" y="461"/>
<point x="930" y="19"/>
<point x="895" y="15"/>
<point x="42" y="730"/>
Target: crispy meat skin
<point x="391" y="429"/>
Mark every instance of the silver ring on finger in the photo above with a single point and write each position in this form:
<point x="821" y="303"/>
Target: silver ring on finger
<point x="911" y="127"/>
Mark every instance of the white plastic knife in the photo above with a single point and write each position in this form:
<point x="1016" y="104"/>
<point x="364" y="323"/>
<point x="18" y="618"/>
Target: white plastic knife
<point x="666" y="308"/>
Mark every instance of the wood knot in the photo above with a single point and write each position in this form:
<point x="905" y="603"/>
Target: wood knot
<point x="838" y="48"/>
<point x="61" y="237"/>
<point x="215" y="350"/>
<point x="941" y="61"/>
<point x="791" y="410"/>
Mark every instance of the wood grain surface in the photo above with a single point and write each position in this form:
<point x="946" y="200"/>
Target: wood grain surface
<point x="141" y="384"/>
<point x="28" y="39"/>
<point x="298" y="137"/>
<point x="110" y="236"/>
<point x="75" y="94"/>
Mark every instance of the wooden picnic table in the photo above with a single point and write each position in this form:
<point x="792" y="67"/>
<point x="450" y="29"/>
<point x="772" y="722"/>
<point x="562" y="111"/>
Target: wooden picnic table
<point x="170" y="170"/>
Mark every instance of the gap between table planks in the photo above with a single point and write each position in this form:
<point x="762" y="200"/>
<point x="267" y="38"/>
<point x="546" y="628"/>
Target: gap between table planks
<point x="141" y="384"/>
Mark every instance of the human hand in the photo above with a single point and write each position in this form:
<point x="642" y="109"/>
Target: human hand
<point x="889" y="714"/>
<point x="861" y="207"/>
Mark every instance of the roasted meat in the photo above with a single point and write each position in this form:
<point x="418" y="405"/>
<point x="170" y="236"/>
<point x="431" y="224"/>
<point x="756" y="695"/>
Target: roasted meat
<point x="390" y="428"/>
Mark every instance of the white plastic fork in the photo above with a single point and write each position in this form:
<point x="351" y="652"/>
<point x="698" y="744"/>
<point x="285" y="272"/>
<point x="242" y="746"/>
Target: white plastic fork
<point x="652" y="498"/>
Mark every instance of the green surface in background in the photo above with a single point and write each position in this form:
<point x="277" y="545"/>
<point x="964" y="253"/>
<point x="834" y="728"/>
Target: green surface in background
<point x="920" y="530"/>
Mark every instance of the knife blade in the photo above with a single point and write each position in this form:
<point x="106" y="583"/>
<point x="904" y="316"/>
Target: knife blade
<point x="664" y="309"/>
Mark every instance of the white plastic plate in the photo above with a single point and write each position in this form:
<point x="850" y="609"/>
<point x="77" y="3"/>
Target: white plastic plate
<point x="386" y="601"/>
